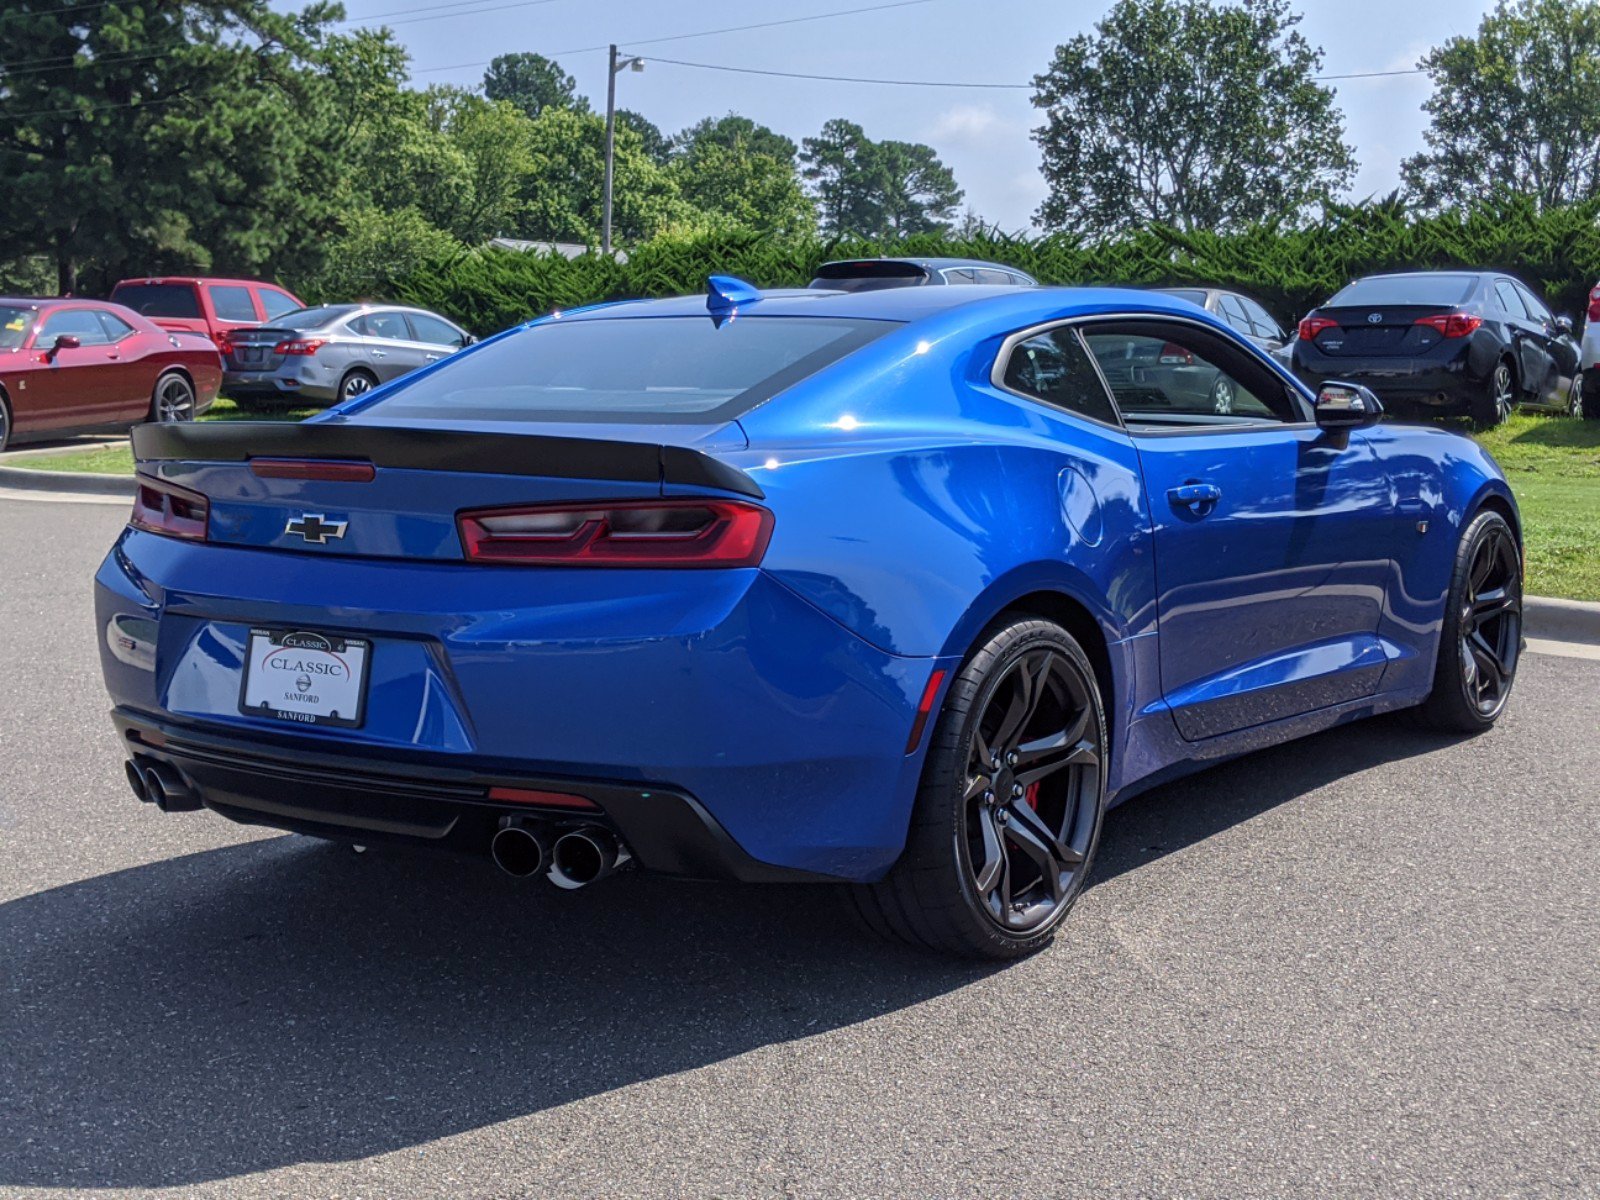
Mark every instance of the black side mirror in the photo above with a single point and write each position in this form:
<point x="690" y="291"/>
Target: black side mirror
<point x="1342" y="407"/>
<point x="469" y="339"/>
<point x="65" y="342"/>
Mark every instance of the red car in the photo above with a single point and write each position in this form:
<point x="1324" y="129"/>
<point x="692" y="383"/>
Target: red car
<point x="68" y="366"/>
<point x="214" y="307"/>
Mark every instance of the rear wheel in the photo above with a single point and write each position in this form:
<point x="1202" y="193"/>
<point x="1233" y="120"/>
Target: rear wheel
<point x="1008" y="813"/>
<point x="1482" y="635"/>
<point x="1493" y="404"/>
<point x="356" y="383"/>
<point x="173" y="399"/>
<point x="1584" y="398"/>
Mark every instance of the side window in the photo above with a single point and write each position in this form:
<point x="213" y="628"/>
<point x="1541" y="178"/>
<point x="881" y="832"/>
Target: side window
<point x="1537" y="309"/>
<point x="1054" y="367"/>
<point x="434" y="331"/>
<point x="1180" y="375"/>
<point x="116" y="328"/>
<point x="959" y="275"/>
<point x="232" y="303"/>
<point x="1233" y="314"/>
<point x="81" y="323"/>
<point x="1019" y="280"/>
<point x="388" y="325"/>
<point x="275" y="303"/>
<point x="988" y="275"/>
<point x="1265" y="325"/>
<point x="1508" y="298"/>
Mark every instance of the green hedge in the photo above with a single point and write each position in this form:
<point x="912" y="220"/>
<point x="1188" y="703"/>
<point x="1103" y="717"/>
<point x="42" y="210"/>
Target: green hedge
<point x="1289" y="269"/>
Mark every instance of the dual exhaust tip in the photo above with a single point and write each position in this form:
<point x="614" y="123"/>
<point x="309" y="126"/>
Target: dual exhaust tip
<point x="161" y="784"/>
<point x="573" y="860"/>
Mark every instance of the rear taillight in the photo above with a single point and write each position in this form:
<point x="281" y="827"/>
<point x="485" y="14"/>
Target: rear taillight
<point x="161" y="507"/>
<point x="223" y="341"/>
<point x="652" y="533"/>
<point x="1594" y="304"/>
<point x="301" y="346"/>
<point x="1452" y="325"/>
<point x="1174" y="355"/>
<point x="1311" y="326"/>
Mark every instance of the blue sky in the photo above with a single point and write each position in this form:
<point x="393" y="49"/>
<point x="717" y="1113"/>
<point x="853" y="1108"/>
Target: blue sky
<point x="983" y="135"/>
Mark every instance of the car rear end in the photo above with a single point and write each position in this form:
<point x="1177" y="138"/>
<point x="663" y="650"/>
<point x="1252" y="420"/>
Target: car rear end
<point x="371" y="629"/>
<point x="1416" y="340"/>
<point x="1590" y="362"/>
<point x="296" y="359"/>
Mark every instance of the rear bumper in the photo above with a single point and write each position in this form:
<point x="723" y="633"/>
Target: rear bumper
<point x="1430" y="381"/>
<point x="361" y="799"/>
<point x="276" y="385"/>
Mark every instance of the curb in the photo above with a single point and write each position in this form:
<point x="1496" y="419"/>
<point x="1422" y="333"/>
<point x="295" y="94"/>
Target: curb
<point x="67" y="481"/>
<point x="1561" y="620"/>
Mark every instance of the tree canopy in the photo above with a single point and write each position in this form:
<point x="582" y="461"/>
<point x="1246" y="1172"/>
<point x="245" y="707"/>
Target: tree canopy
<point x="1189" y="113"/>
<point x="1515" y="108"/>
<point x="876" y="189"/>
<point x="532" y="83"/>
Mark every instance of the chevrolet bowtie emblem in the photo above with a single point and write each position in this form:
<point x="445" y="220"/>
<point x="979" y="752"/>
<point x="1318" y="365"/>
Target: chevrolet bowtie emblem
<point x="316" y="528"/>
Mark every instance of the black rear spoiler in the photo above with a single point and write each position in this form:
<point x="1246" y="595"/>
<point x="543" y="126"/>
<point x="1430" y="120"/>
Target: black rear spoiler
<point x="440" y="450"/>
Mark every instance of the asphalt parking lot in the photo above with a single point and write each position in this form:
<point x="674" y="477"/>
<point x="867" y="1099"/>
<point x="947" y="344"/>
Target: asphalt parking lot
<point x="1365" y="964"/>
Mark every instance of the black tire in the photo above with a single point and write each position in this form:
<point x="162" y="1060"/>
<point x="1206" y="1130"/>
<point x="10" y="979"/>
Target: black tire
<point x="1482" y="635"/>
<point x="356" y="383"/>
<point x="1583" y="400"/>
<point x="172" y="399"/>
<point x="1493" y="403"/>
<point x="1037" y="838"/>
<point x="5" y="422"/>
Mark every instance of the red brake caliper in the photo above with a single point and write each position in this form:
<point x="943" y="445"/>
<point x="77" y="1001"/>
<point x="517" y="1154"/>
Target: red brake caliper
<point x="1032" y="795"/>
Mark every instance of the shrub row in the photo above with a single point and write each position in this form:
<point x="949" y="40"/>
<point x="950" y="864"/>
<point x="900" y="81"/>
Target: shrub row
<point x="1289" y="269"/>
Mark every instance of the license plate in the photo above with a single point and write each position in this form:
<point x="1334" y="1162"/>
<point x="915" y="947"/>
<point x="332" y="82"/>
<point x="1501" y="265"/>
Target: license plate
<point x="250" y="354"/>
<point x="308" y="678"/>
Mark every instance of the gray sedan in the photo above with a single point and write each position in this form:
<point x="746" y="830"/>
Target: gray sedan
<point x="334" y="351"/>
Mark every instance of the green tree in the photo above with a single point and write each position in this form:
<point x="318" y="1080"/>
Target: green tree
<point x="140" y="137"/>
<point x="533" y="83"/>
<point x="876" y="189"/>
<point x="742" y="188"/>
<point x="736" y="132"/>
<point x="1516" y="108"/>
<point x="376" y="249"/>
<point x="656" y="145"/>
<point x="563" y="192"/>
<point x="1188" y="113"/>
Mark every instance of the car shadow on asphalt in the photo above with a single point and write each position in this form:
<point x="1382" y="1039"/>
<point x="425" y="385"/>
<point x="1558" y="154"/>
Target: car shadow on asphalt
<point x="287" y="1001"/>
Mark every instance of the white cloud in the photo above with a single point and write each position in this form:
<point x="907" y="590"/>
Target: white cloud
<point x="965" y="124"/>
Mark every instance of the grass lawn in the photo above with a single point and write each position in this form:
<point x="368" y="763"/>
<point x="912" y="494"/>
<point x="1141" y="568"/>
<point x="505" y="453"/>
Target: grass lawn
<point x="1553" y="464"/>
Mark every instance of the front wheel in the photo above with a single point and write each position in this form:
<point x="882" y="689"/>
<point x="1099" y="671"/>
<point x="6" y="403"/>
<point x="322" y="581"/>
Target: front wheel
<point x="5" y="423"/>
<point x="1008" y="813"/>
<point x="1481" y="637"/>
<point x="173" y="399"/>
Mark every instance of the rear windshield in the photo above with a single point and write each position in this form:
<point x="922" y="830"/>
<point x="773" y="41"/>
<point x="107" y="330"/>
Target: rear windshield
<point x="159" y="299"/>
<point x="1442" y="290"/>
<point x="1193" y="297"/>
<point x="868" y="275"/>
<point x="646" y="370"/>
<point x="312" y="318"/>
<point x="14" y="324"/>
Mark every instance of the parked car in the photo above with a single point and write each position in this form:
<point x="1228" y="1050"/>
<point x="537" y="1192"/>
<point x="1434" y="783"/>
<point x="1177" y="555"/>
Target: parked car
<point x="1585" y="400"/>
<point x="1474" y="343"/>
<point x="870" y="274"/>
<point x="847" y="589"/>
<point x="335" y="351"/>
<point x="1239" y="312"/>
<point x="72" y="366"/>
<point x="214" y="307"/>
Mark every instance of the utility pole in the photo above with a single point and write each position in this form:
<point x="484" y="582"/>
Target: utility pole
<point x="617" y="64"/>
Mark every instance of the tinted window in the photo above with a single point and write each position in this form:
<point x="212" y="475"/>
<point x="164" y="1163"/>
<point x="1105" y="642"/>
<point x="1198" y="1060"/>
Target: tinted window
<point x="1180" y="375"/>
<point x="1233" y="314"/>
<point x="991" y="277"/>
<point x="81" y="323"/>
<point x="1507" y="297"/>
<point x="1265" y="325"/>
<point x="1193" y="297"/>
<point x="313" y="318"/>
<point x="159" y="299"/>
<point x="276" y="303"/>
<point x="232" y="303"/>
<point x="433" y="330"/>
<point x="14" y="323"/>
<point x="1055" y="368"/>
<point x="1442" y="290"/>
<point x="1536" y="307"/>
<point x="116" y="328"/>
<point x="390" y="325"/>
<point x="868" y="275"/>
<point x="649" y="369"/>
<point x="959" y="275"/>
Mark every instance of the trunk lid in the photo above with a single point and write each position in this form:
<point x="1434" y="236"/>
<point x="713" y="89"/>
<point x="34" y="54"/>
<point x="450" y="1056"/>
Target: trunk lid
<point x="252" y="348"/>
<point x="1379" y="331"/>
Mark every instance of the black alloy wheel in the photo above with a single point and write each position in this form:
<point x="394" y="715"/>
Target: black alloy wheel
<point x="173" y="399"/>
<point x="1482" y="635"/>
<point x="1010" y="806"/>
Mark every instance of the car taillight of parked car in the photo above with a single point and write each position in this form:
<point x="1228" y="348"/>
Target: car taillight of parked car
<point x="652" y="533"/>
<point x="1452" y="325"/>
<point x="1311" y="326"/>
<point x="165" y="508"/>
<point x="301" y="346"/>
<point x="223" y="342"/>
<point x="1174" y="355"/>
<point x="1594" y="304"/>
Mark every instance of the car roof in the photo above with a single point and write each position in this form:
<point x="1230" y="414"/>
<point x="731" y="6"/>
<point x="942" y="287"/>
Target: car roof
<point x="931" y="264"/>
<point x="43" y="302"/>
<point x="222" y="279"/>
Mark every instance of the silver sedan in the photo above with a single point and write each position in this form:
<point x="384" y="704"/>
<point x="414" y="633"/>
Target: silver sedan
<point x="334" y="351"/>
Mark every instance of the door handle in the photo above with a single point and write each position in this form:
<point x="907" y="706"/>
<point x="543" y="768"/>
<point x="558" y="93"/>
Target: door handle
<point x="433" y="357"/>
<point x="1194" y="495"/>
<point x="379" y="353"/>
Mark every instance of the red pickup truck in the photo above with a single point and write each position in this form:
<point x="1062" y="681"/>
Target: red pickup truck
<point x="212" y="307"/>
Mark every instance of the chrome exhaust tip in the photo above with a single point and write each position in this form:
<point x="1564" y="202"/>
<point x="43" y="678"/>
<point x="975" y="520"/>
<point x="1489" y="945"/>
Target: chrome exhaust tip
<point x="583" y="856"/>
<point x="518" y="850"/>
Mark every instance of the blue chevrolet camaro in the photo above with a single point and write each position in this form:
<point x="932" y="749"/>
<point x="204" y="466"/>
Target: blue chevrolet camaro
<point x="899" y="589"/>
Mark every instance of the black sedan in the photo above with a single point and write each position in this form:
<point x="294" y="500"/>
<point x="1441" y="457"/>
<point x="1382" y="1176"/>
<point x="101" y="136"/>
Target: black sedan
<point x="1474" y="343"/>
